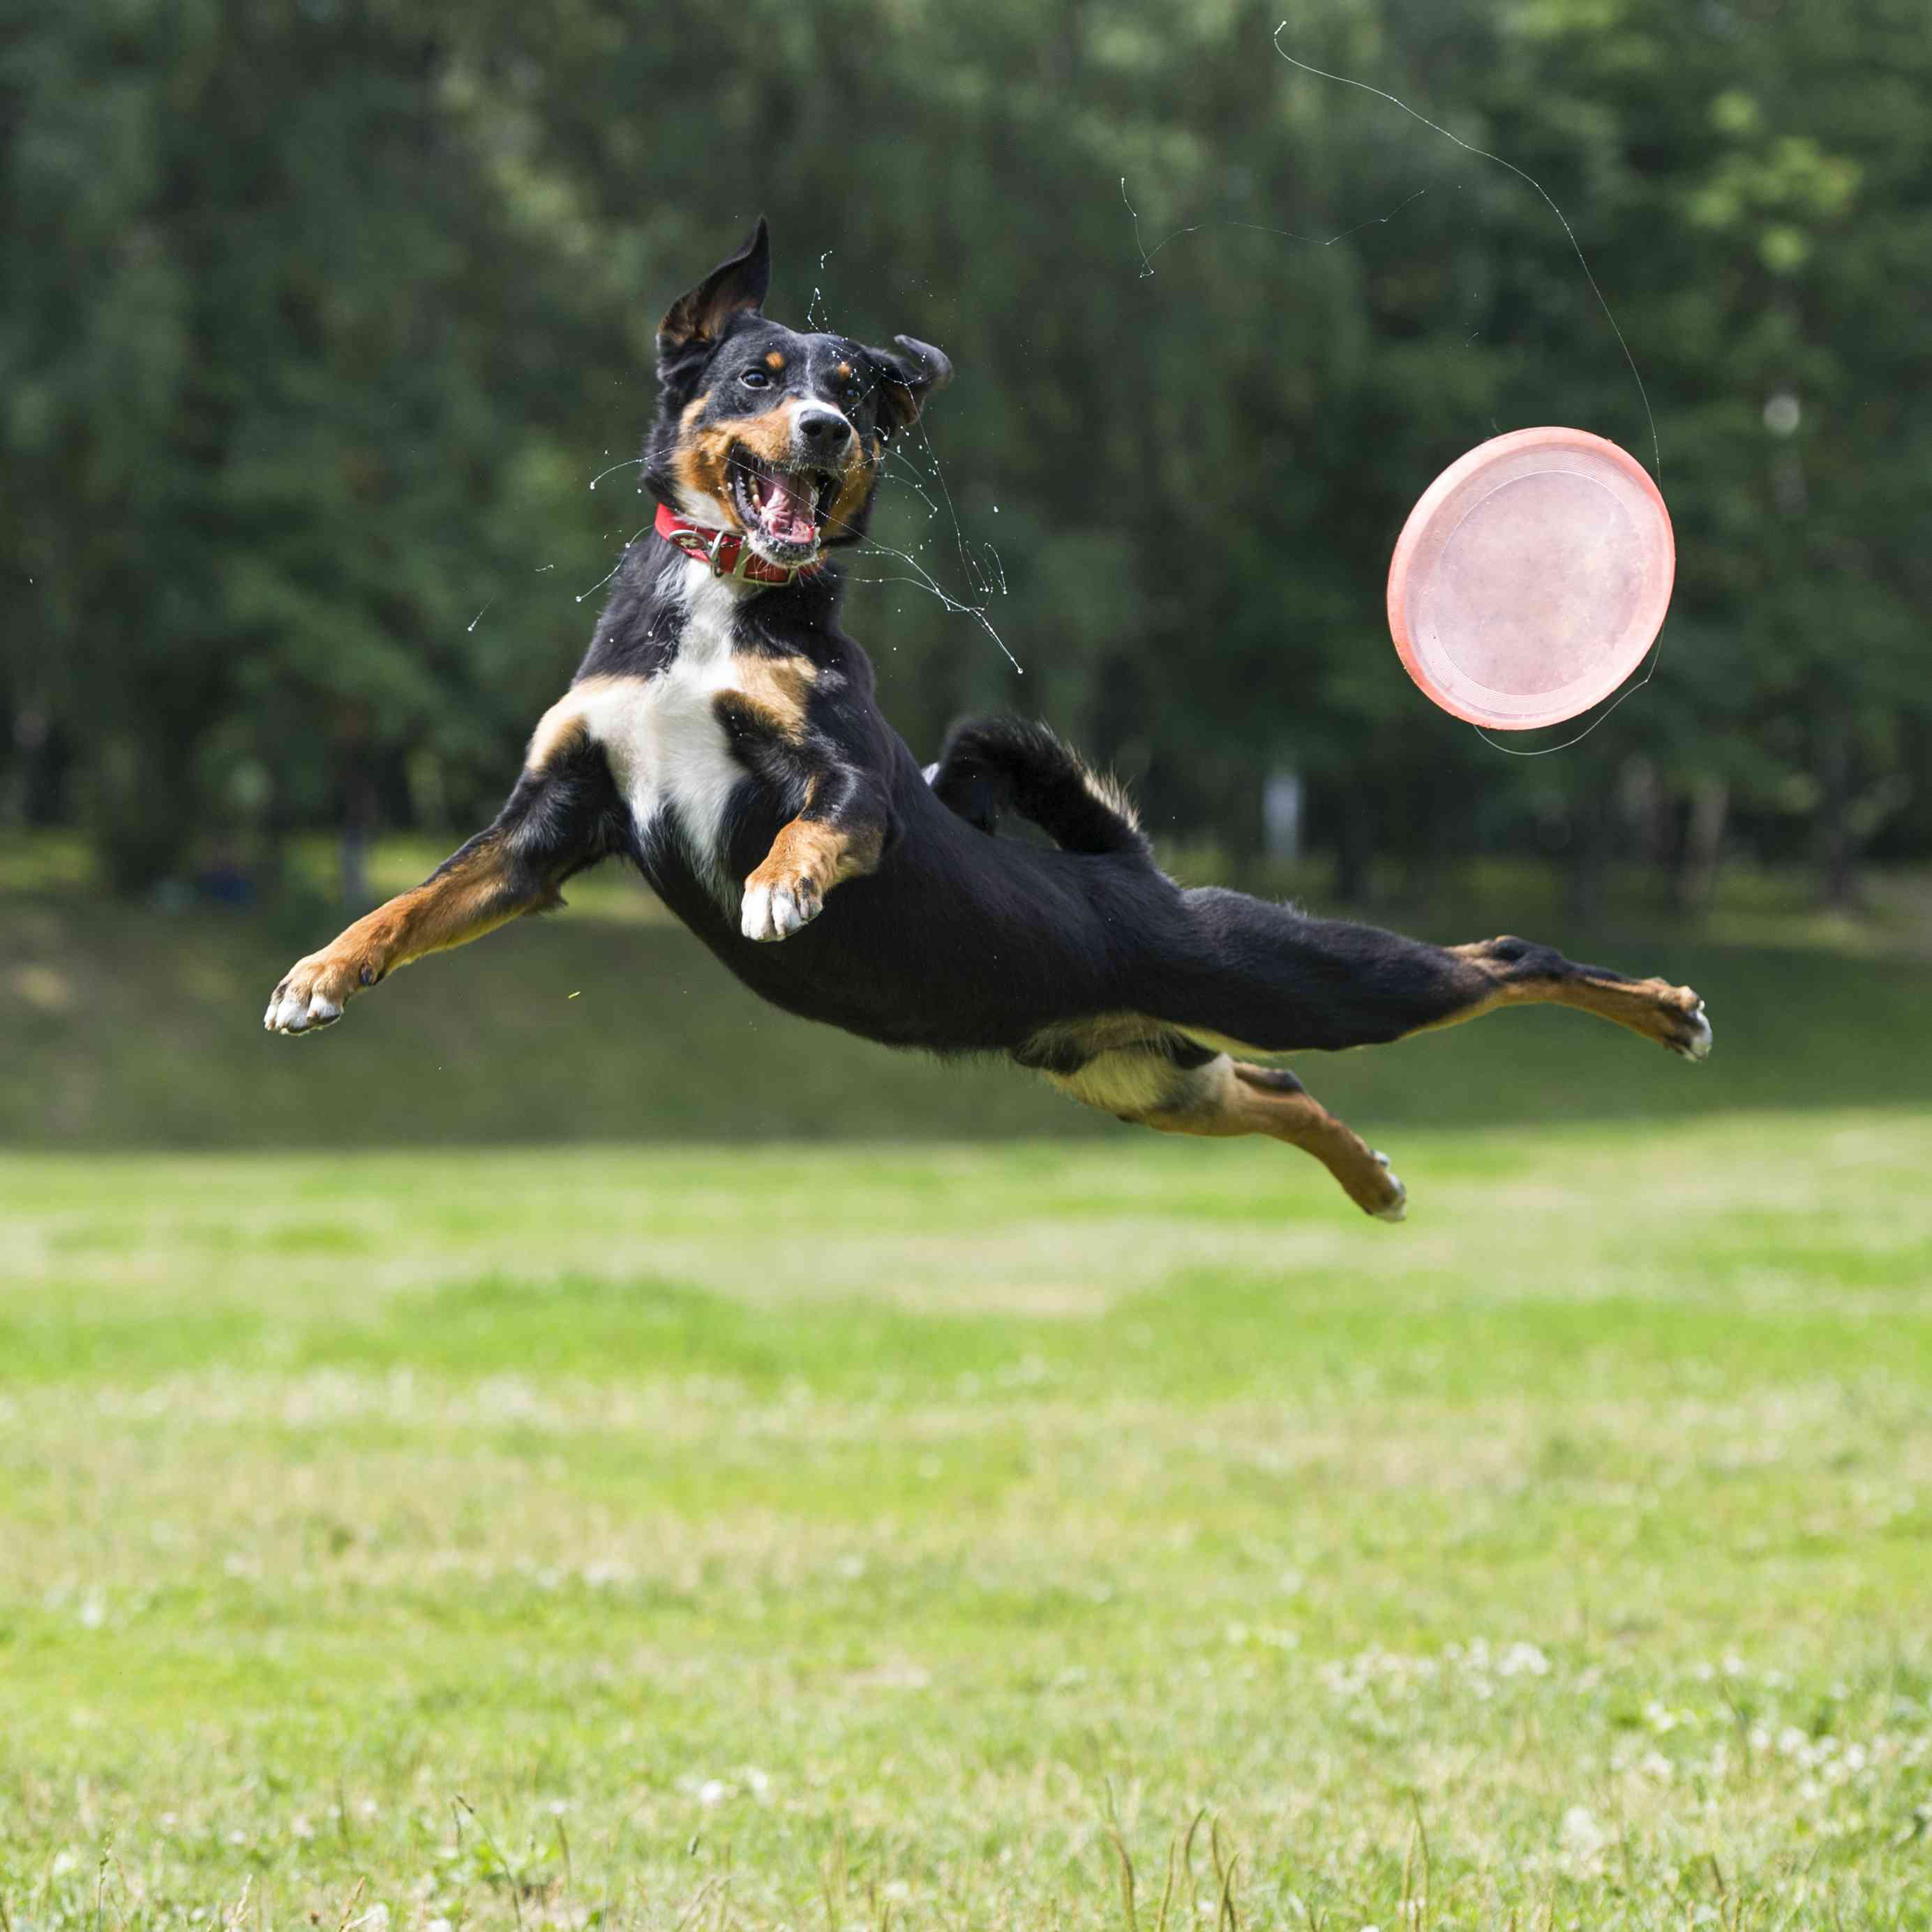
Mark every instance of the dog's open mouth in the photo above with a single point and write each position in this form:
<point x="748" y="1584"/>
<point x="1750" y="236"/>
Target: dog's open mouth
<point x="784" y="509"/>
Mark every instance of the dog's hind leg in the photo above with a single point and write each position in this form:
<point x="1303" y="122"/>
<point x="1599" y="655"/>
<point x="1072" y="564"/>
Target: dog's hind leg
<point x="1274" y="980"/>
<point x="1229" y="1096"/>
<point x="1175" y="1087"/>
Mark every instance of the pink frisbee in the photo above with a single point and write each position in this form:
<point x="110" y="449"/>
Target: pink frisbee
<point x="1532" y="578"/>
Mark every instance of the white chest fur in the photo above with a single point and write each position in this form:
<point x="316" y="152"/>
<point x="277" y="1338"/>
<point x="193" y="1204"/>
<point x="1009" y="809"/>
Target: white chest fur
<point x="668" y="753"/>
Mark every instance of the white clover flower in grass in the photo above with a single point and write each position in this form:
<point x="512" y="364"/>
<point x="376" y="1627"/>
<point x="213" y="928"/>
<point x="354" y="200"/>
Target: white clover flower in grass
<point x="713" y="1791"/>
<point x="1582" y="1838"/>
<point x="1522" y="1660"/>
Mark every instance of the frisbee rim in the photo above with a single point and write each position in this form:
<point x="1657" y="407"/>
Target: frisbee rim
<point x="1419" y="525"/>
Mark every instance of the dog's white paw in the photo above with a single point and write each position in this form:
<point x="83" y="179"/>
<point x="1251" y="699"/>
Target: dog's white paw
<point x="309" y="998"/>
<point x="1396" y="1209"/>
<point x="776" y="912"/>
<point x="1697" y="1044"/>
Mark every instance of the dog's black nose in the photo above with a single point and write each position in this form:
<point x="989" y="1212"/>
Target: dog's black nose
<point x="822" y="432"/>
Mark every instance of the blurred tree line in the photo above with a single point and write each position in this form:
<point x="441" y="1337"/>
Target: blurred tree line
<point x="317" y="319"/>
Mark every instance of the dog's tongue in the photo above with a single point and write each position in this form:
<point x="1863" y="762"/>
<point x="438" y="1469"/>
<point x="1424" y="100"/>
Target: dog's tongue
<point x="786" y="504"/>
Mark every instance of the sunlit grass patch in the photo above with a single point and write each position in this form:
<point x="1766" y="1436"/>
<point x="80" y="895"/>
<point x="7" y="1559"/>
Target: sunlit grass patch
<point x="846" y="1535"/>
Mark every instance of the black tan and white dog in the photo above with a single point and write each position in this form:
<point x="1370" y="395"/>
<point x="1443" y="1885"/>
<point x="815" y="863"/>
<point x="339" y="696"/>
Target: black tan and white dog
<point x="722" y="734"/>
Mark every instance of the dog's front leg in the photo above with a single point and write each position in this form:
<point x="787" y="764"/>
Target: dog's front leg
<point x="561" y="817"/>
<point x="839" y="835"/>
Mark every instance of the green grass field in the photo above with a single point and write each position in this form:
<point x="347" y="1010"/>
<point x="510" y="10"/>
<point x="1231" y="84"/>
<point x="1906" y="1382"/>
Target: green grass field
<point x="707" y="1537"/>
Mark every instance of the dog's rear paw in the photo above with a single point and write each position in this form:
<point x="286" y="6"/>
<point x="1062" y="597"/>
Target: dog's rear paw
<point x="1692" y="1034"/>
<point x="777" y="911"/>
<point x="1395" y="1205"/>
<point x="1673" y="1016"/>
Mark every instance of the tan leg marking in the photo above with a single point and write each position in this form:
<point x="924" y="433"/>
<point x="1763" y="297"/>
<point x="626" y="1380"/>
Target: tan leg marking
<point x="470" y="894"/>
<point x="807" y="858"/>
<point x="809" y="851"/>
<point x="1672" y="1016"/>
<point x="1130" y="1078"/>
<point x="1229" y="1097"/>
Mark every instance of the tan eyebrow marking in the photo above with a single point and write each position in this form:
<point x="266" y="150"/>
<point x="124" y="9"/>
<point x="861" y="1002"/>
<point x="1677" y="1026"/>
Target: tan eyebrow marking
<point x="845" y="369"/>
<point x="774" y="361"/>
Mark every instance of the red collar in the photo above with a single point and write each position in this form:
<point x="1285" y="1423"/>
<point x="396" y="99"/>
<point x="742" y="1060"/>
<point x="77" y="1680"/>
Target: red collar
<point x="727" y="553"/>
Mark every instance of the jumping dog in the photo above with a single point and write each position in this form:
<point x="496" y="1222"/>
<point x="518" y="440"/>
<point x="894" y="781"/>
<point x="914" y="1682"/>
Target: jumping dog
<point x="722" y="734"/>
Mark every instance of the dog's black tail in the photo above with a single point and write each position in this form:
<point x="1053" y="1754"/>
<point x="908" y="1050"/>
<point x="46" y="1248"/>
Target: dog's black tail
<point x="991" y="765"/>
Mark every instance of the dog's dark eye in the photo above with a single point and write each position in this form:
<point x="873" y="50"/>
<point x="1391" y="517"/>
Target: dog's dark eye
<point x="755" y="378"/>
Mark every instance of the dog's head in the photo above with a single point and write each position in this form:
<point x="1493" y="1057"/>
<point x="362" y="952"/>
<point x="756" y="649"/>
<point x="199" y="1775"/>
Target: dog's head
<point x="763" y="430"/>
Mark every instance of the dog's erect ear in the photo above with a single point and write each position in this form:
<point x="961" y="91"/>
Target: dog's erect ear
<point x="911" y="375"/>
<point x="733" y="287"/>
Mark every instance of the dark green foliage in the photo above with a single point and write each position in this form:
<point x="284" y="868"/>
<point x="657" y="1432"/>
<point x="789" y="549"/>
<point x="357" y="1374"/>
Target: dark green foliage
<point x="315" y="321"/>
